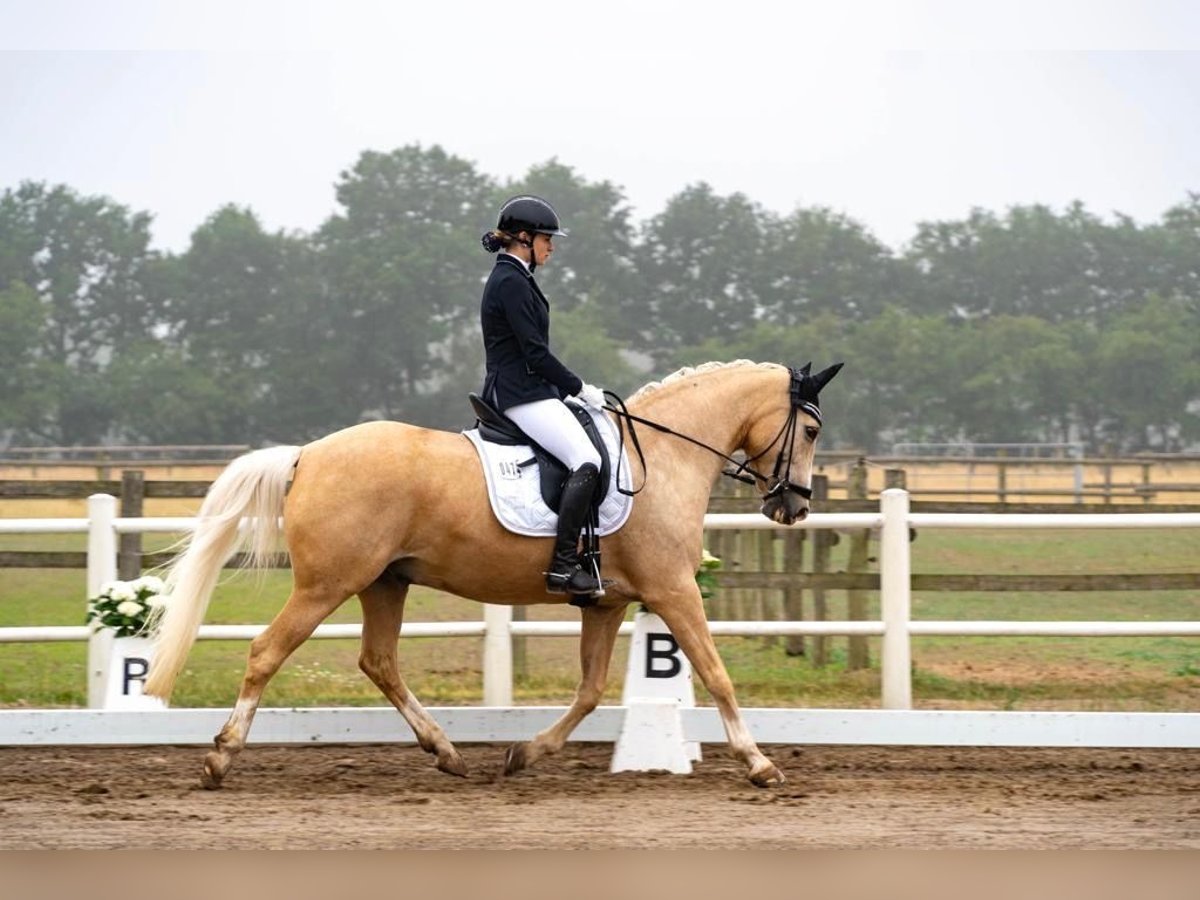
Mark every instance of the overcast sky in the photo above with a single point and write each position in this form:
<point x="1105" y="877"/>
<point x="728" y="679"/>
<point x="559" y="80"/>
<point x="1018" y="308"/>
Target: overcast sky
<point x="891" y="112"/>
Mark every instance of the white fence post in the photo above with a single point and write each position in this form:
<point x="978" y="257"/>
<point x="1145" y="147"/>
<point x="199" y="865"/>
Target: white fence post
<point x="895" y="598"/>
<point x="497" y="655"/>
<point x="101" y="568"/>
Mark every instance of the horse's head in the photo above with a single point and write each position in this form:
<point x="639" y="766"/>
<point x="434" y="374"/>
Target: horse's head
<point x="788" y="488"/>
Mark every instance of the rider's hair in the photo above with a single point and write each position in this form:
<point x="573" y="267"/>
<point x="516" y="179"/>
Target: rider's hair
<point x="495" y="241"/>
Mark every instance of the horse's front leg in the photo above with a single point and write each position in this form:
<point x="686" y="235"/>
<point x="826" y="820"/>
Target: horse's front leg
<point x="597" y="636"/>
<point x="683" y="611"/>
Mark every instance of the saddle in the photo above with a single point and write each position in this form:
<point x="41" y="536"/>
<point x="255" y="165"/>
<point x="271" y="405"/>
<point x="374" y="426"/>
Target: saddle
<point x="497" y="428"/>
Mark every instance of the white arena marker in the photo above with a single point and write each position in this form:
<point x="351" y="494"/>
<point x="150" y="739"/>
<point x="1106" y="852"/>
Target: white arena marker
<point x="651" y="738"/>
<point x="658" y="683"/>
<point x="658" y="668"/>
<point x="128" y="666"/>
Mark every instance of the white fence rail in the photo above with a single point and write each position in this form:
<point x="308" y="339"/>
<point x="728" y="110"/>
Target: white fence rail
<point x="895" y="626"/>
<point x="372" y="725"/>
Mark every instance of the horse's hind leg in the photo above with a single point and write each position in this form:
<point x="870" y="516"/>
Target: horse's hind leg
<point x="597" y="636"/>
<point x="383" y="612"/>
<point x="295" y="623"/>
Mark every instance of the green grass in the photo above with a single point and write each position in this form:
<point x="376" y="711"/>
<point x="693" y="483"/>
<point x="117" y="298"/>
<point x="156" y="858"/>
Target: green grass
<point x="949" y="672"/>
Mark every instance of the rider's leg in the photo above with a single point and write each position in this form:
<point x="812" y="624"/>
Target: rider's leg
<point x="566" y="574"/>
<point x="552" y="425"/>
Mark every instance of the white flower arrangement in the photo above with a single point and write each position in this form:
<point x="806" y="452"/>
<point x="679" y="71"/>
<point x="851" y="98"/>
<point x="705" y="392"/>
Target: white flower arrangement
<point x="127" y="607"/>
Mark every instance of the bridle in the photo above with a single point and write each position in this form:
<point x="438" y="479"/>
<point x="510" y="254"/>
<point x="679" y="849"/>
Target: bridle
<point x="777" y="485"/>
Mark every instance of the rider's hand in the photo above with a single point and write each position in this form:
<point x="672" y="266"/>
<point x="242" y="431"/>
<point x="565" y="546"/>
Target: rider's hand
<point x="591" y="396"/>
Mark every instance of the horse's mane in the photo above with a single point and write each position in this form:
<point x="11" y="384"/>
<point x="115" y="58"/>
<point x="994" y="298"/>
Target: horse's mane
<point x="689" y="371"/>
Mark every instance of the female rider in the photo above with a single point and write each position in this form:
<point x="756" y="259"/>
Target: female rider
<point x="527" y="383"/>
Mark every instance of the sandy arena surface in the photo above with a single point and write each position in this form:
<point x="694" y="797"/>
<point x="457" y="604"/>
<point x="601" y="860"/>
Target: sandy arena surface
<point x="391" y="797"/>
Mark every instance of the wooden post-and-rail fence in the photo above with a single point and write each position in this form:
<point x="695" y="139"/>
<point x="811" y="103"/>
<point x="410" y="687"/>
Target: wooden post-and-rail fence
<point x="133" y="490"/>
<point x="777" y="590"/>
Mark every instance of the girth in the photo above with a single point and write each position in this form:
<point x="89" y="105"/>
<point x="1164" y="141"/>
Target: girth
<point x="497" y="428"/>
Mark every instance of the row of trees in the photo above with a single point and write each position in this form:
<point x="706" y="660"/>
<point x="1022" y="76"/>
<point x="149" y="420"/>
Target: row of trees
<point x="1031" y="325"/>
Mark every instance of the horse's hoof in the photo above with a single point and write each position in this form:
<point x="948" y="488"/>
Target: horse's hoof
<point x="452" y="764"/>
<point x="767" y="775"/>
<point x="215" y="768"/>
<point x="514" y="759"/>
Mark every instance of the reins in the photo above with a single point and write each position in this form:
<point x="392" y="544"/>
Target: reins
<point x="774" y="483"/>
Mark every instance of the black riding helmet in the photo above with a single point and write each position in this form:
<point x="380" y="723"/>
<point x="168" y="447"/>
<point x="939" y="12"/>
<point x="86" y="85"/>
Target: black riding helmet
<point x="529" y="213"/>
<point x="524" y="213"/>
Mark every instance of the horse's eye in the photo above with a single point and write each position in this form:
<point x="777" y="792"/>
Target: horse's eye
<point x="811" y="432"/>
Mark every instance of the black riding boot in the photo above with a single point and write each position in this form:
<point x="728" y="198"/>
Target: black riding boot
<point x="565" y="574"/>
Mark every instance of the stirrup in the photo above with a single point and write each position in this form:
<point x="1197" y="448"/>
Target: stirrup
<point x="560" y="583"/>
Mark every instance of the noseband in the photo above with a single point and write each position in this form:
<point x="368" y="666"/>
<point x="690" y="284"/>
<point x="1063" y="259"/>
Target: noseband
<point x="777" y="485"/>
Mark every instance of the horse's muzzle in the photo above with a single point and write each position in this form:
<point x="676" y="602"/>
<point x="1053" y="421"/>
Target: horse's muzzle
<point x="786" y="508"/>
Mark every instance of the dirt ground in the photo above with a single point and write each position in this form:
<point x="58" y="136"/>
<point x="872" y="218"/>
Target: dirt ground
<point x="391" y="797"/>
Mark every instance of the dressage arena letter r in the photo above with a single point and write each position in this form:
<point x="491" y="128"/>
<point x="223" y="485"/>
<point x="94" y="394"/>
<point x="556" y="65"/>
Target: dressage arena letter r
<point x="670" y="655"/>
<point x="135" y="670"/>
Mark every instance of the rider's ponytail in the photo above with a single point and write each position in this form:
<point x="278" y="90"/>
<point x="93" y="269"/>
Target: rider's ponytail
<point x="494" y="241"/>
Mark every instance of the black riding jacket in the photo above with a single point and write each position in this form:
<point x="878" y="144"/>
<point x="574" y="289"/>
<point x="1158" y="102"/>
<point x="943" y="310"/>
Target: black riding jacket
<point x="515" y="316"/>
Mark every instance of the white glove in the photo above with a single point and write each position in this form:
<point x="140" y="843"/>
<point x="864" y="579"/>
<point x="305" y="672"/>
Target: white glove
<point x="591" y="396"/>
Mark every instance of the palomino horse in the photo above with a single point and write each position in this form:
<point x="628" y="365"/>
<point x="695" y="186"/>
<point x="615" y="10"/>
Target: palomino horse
<point x="380" y="506"/>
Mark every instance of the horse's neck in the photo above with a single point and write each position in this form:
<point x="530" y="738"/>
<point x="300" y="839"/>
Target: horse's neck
<point x="709" y="408"/>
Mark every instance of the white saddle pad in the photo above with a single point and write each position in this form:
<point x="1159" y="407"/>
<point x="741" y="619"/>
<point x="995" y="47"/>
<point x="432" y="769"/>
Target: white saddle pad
<point x="516" y="492"/>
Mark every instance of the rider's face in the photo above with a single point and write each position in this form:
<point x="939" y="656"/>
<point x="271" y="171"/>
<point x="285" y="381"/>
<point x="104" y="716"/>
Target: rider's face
<point x="543" y="246"/>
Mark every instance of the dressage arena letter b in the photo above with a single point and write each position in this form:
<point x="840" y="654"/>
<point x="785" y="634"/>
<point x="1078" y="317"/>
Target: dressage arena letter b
<point x="669" y="657"/>
<point x="658" y="684"/>
<point x="135" y="671"/>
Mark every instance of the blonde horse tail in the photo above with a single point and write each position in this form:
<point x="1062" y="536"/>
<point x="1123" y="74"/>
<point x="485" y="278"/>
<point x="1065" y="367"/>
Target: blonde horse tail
<point x="252" y="486"/>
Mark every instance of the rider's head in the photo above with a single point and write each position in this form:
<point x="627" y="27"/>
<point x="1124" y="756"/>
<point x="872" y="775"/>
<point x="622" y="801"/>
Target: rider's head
<point x="526" y="227"/>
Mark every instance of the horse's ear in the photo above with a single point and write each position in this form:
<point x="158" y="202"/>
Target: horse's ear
<point x="806" y="369"/>
<point x="823" y="378"/>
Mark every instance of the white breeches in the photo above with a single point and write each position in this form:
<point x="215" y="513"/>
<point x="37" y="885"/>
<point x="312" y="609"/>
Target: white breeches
<point x="552" y="425"/>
